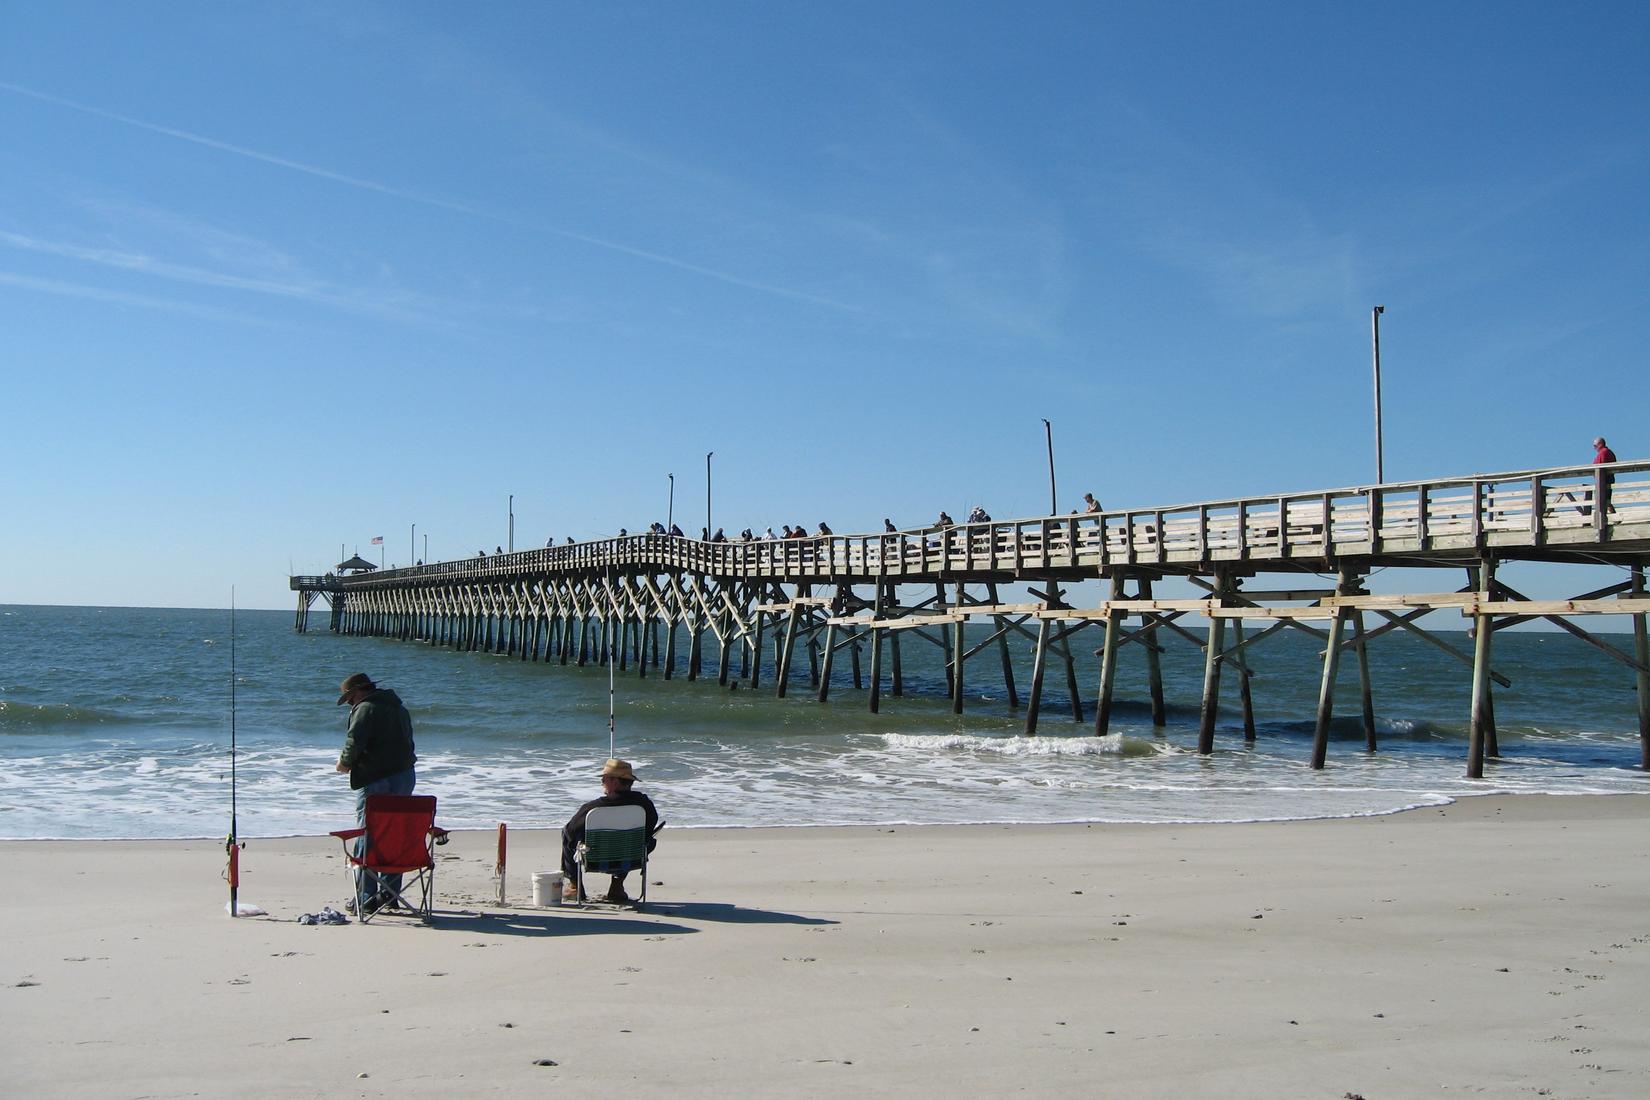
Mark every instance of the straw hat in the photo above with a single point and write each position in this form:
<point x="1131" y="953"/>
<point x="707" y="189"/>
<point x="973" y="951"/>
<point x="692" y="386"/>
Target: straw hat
<point x="618" y="769"/>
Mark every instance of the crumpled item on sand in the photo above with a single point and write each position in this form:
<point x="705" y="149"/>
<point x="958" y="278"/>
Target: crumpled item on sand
<point x="328" y="915"/>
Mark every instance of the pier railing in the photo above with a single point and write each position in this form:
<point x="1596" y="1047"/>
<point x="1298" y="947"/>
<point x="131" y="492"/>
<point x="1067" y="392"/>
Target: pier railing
<point x="1516" y="514"/>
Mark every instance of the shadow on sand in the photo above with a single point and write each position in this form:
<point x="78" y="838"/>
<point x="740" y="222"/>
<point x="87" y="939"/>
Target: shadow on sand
<point x="650" y="921"/>
<point x="508" y="922"/>
<point x="723" y="913"/>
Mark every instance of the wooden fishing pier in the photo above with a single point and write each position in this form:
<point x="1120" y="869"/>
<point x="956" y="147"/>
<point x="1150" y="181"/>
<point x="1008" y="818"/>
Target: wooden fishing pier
<point x="609" y="598"/>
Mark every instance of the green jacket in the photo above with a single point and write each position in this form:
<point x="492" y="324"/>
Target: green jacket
<point x="380" y="739"/>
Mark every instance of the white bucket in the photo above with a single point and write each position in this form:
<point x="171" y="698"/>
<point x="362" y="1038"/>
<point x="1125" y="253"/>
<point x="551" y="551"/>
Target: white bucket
<point x="547" y="887"/>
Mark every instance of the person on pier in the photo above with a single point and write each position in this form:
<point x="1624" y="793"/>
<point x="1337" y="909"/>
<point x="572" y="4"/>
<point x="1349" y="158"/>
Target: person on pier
<point x="1090" y="504"/>
<point x="1602" y="454"/>
<point x="676" y="531"/>
<point x="617" y="780"/>
<point x="824" y="530"/>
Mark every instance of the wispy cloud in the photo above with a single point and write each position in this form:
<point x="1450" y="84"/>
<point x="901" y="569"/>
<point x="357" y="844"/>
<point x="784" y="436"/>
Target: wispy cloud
<point x="120" y="297"/>
<point x="149" y="265"/>
<point x="422" y="199"/>
<point x="211" y="242"/>
<point x="1220" y="219"/>
<point x="985" y="246"/>
<point x="1283" y="278"/>
<point x="400" y="307"/>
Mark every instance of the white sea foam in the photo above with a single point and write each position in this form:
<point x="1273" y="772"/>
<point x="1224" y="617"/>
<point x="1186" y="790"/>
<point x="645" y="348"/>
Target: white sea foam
<point x="1008" y="746"/>
<point x="127" y="787"/>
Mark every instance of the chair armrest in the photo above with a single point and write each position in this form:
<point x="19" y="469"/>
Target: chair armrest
<point x="348" y="834"/>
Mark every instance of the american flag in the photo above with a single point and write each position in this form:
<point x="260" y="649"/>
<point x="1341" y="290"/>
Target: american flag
<point x="378" y="540"/>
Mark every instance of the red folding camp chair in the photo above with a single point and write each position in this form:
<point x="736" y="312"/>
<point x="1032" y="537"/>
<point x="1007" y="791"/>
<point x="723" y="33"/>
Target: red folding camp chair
<point x="399" y="839"/>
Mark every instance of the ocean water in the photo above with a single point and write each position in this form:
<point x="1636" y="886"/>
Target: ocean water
<point x="116" y="722"/>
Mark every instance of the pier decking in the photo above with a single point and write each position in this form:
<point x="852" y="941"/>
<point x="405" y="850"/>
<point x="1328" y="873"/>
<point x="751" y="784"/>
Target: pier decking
<point x="609" y="597"/>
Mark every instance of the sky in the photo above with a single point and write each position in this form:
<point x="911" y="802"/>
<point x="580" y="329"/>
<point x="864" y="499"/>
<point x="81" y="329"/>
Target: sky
<point x="277" y="279"/>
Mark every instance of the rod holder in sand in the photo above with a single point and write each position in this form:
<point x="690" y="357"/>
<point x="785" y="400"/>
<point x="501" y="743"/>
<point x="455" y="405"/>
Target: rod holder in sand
<point x="498" y="868"/>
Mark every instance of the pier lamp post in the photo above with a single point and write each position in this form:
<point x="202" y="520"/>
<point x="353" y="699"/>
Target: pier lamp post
<point x="1053" y="498"/>
<point x="426" y="547"/>
<point x="1375" y="329"/>
<point x="708" y="455"/>
<point x="412" y="543"/>
<point x="511" y="543"/>
<point x="670" y="507"/>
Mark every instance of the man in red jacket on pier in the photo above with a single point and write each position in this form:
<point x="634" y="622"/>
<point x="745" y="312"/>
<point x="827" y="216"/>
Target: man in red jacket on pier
<point x="1602" y="454"/>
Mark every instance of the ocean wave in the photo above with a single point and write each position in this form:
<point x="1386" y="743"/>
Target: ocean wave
<point x="51" y="717"/>
<point x="1350" y="727"/>
<point x="141" y="746"/>
<point x="1114" y="745"/>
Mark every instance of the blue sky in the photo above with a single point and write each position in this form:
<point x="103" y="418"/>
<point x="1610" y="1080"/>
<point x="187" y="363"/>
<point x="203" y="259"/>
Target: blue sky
<point x="279" y="278"/>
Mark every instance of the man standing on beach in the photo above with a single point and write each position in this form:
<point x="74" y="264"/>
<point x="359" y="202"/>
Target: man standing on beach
<point x="378" y="755"/>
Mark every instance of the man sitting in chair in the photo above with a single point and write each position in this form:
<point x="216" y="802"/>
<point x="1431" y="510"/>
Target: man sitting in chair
<point x="617" y="779"/>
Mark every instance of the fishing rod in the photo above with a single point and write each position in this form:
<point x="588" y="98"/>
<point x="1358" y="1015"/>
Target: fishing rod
<point x="232" y="846"/>
<point x="612" y="658"/>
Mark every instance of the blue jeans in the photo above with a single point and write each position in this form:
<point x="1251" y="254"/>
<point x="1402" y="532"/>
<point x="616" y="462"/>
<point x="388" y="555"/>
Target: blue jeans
<point x="369" y="884"/>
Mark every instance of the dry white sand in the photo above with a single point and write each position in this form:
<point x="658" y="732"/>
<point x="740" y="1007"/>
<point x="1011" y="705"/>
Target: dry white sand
<point x="1500" y="946"/>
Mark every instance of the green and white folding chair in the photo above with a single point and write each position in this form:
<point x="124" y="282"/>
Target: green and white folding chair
<point x="615" y="843"/>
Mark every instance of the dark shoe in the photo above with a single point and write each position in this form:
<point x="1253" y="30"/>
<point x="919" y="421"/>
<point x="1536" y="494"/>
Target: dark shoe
<point x="616" y="896"/>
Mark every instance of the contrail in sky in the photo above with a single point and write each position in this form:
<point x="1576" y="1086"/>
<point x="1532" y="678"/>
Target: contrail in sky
<point x="423" y="200"/>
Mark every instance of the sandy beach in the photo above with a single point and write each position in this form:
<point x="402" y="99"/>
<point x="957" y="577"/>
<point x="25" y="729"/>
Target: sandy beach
<point x="1497" y="946"/>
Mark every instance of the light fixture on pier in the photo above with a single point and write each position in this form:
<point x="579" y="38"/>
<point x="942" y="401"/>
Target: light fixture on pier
<point x="1375" y="330"/>
<point x="1053" y="498"/>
